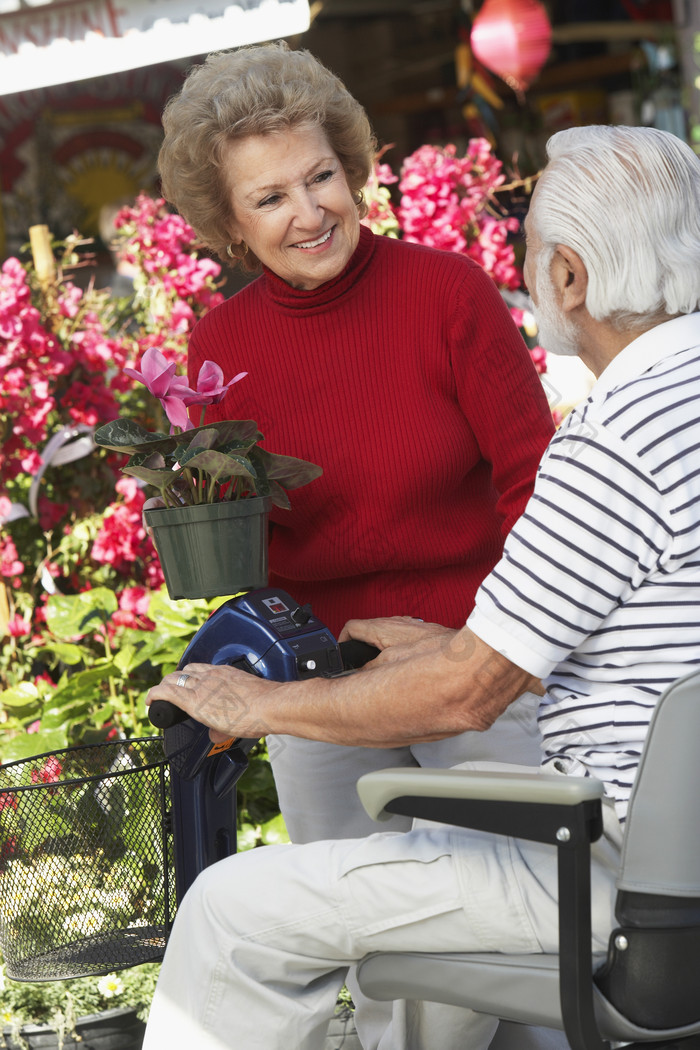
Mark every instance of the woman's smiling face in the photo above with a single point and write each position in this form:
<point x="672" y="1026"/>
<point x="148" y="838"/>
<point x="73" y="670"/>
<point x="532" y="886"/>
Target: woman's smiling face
<point x="291" y="204"/>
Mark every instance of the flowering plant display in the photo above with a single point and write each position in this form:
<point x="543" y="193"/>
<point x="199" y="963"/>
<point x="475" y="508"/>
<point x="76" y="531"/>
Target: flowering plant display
<point x="210" y="463"/>
<point x="449" y="201"/>
<point x="78" y="573"/>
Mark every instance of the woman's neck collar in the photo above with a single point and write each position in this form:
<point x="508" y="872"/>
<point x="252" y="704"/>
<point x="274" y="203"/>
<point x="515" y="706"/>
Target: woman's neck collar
<point x="300" y="298"/>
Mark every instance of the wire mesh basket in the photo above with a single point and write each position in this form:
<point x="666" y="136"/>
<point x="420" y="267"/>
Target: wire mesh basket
<point x="87" y="882"/>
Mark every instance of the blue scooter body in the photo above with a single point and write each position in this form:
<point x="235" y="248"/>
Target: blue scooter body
<point x="264" y="632"/>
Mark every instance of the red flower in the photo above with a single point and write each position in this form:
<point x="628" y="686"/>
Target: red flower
<point x="49" y="773"/>
<point x="18" y="626"/>
<point x="7" y="850"/>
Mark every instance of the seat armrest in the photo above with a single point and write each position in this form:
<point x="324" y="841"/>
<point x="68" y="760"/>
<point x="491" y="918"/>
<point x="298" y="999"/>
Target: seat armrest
<point x="378" y="789"/>
<point x="565" y="812"/>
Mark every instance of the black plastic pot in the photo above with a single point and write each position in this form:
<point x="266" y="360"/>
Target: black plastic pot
<point x="110" y="1030"/>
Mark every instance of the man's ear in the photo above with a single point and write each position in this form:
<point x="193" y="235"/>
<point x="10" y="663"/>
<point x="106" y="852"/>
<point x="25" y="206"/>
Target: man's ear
<point x="570" y="277"/>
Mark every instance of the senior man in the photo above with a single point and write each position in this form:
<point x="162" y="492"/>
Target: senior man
<point x="597" y="594"/>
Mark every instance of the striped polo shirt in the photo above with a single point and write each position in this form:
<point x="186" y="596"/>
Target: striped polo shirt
<point x="598" y="589"/>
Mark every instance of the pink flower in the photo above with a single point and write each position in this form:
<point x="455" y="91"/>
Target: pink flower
<point x="158" y="375"/>
<point x="211" y="388"/>
<point x="10" y="565"/>
<point x="156" y="372"/>
<point x="122" y="542"/>
<point x="18" y="626"/>
<point x="133" y="609"/>
<point x="49" y="773"/>
<point x="7" y="850"/>
<point x="539" y="358"/>
<point x="443" y="204"/>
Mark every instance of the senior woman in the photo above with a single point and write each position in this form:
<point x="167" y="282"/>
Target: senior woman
<point x="395" y="367"/>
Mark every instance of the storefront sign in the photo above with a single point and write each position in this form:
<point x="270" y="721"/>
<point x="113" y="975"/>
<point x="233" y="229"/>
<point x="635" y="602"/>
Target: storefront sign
<point x="45" y="42"/>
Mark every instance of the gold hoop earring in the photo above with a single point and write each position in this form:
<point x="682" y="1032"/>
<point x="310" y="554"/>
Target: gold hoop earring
<point x="359" y="198"/>
<point x="234" y="255"/>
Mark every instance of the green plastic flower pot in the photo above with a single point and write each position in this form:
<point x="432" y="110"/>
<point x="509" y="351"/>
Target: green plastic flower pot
<point x="213" y="549"/>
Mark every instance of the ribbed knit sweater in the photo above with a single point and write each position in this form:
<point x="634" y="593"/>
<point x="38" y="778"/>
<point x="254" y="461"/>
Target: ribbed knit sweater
<point x="407" y="381"/>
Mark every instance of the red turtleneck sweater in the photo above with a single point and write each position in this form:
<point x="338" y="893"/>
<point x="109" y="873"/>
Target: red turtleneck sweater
<point x="406" y="380"/>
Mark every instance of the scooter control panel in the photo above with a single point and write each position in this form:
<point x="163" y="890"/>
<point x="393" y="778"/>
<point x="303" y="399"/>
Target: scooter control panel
<point x="267" y="633"/>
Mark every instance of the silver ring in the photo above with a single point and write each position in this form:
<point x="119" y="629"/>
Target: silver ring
<point x="182" y="679"/>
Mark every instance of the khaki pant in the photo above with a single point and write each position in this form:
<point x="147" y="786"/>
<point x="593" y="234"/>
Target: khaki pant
<point x="263" y="941"/>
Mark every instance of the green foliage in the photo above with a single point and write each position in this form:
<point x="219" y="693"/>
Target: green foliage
<point x="225" y="455"/>
<point x="60" y="1003"/>
<point x="101" y="676"/>
<point x="259" y="821"/>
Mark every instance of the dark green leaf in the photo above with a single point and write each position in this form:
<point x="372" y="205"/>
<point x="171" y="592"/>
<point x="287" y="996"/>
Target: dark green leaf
<point x="159" y="479"/>
<point x="218" y="466"/>
<point x="65" y="652"/>
<point x="289" y="471"/>
<point x="19" y="696"/>
<point x="24" y="745"/>
<point x="128" y="436"/>
<point x="278" y="496"/>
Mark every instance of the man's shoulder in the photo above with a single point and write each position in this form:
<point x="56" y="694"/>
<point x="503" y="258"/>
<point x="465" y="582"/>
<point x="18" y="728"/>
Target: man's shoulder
<point x="644" y="404"/>
<point x="641" y="436"/>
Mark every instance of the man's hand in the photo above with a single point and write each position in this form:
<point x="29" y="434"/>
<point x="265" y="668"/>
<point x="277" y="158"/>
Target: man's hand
<point x="221" y="697"/>
<point x="430" y="683"/>
<point x="397" y="636"/>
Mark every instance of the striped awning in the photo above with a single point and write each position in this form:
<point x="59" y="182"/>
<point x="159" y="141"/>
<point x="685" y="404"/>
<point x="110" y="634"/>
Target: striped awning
<point x="45" y="42"/>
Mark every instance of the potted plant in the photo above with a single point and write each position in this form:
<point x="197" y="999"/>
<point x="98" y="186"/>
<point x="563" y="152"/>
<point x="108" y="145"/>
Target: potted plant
<point x="108" y="1012"/>
<point x="215" y="483"/>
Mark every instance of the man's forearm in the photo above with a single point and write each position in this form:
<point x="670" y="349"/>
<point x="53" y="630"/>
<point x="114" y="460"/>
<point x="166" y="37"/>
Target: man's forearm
<point x="401" y="699"/>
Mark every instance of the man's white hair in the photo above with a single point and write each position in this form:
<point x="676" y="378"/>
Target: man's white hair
<point x="627" y="200"/>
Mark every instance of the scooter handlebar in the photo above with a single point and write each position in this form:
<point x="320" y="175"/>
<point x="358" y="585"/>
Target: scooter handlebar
<point x="354" y="654"/>
<point x="163" y="714"/>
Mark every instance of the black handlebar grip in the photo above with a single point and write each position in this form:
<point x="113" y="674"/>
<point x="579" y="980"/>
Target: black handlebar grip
<point x="356" y="654"/>
<point x="163" y="714"/>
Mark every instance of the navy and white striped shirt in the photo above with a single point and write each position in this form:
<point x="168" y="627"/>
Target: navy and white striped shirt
<point x="598" y="590"/>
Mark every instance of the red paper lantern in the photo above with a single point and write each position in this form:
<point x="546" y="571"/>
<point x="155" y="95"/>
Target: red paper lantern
<point x="512" y="38"/>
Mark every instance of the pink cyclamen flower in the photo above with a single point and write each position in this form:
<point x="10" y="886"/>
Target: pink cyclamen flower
<point x="211" y="388"/>
<point x="158" y="375"/>
<point x="176" y="411"/>
<point x="156" y="372"/>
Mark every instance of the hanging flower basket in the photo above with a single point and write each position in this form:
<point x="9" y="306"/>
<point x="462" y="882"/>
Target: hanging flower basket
<point x="212" y="549"/>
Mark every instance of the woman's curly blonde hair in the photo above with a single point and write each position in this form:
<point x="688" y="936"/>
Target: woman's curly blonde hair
<point x="253" y="91"/>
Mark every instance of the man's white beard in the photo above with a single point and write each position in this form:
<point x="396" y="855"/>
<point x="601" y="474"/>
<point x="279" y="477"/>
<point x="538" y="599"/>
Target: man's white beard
<point x="555" y="332"/>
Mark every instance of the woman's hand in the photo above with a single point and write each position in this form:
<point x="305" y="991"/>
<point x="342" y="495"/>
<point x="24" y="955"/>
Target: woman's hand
<point x="155" y="503"/>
